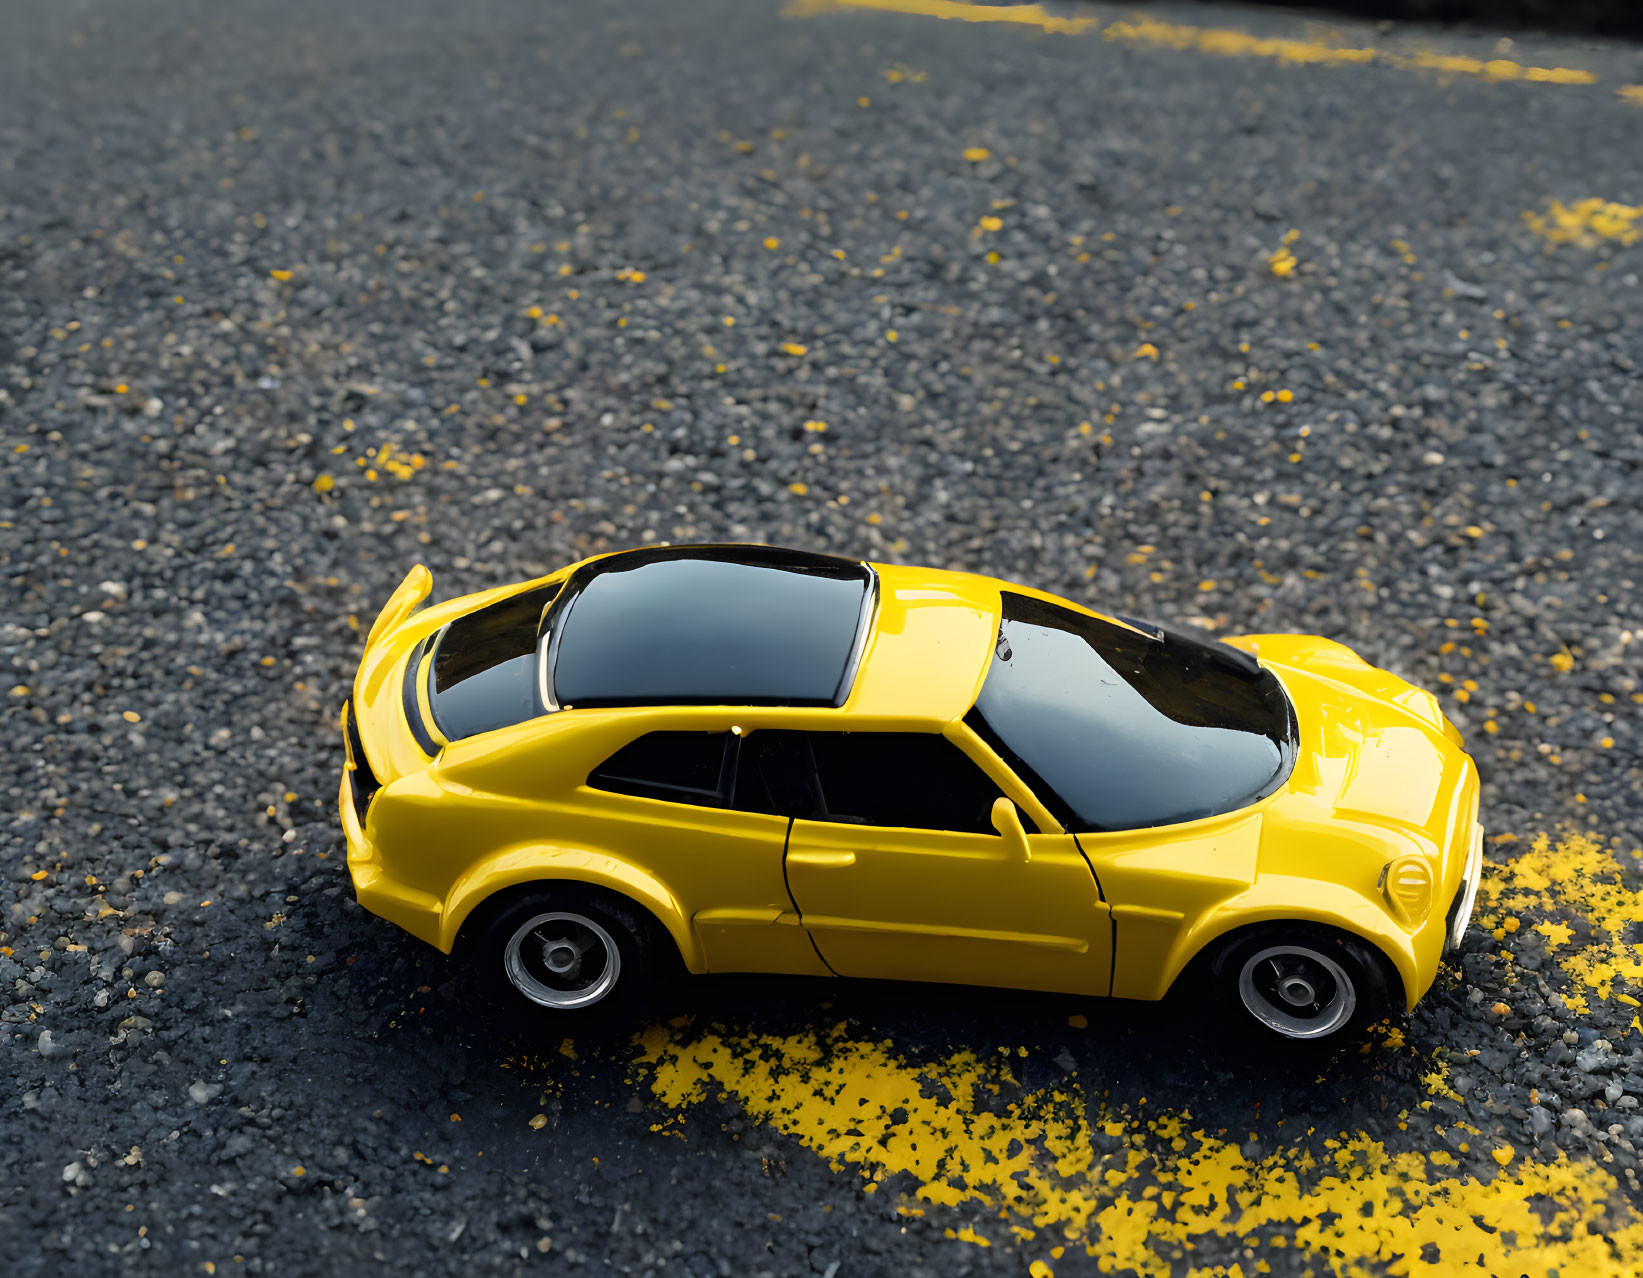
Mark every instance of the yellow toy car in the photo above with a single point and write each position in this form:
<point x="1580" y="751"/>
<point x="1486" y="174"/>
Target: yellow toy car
<point x="747" y="759"/>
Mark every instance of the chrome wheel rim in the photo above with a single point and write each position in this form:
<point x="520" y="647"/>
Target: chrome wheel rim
<point x="562" y="960"/>
<point x="1297" y="991"/>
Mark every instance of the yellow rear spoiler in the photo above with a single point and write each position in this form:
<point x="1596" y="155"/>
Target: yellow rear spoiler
<point x="417" y="586"/>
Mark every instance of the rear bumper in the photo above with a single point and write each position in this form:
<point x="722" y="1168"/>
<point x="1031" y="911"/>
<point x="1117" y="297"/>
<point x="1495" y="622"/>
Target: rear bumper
<point x="418" y="912"/>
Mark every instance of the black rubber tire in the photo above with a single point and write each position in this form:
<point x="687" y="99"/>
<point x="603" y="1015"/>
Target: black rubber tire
<point x="1373" y="980"/>
<point x="648" y="958"/>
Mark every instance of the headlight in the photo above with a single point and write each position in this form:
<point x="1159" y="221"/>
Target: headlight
<point x="1407" y="885"/>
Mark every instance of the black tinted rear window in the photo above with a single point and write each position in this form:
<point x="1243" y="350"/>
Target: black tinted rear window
<point x="484" y="670"/>
<point x="1118" y="730"/>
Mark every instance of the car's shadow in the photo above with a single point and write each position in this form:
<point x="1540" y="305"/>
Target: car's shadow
<point x="1182" y="1053"/>
<point x="714" y="1053"/>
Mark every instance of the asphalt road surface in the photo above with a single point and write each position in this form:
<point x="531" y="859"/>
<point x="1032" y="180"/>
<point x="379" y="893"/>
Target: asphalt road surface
<point x="1212" y="315"/>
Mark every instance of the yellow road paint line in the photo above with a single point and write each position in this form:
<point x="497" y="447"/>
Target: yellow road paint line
<point x="1225" y="42"/>
<point x="1025" y="15"/>
<point x="1166" y="1188"/>
<point x="1632" y="93"/>
<point x="1218" y="41"/>
<point x="1138" y="1193"/>
<point x="1493" y="69"/>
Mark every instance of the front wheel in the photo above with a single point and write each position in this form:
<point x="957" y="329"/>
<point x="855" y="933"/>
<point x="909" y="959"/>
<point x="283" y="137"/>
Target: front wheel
<point x="568" y="949"/>
<point x="1302" y="982"/>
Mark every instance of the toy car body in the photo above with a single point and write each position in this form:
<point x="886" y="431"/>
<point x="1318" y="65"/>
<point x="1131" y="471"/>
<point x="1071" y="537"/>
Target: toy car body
<point x="781" y="762"/>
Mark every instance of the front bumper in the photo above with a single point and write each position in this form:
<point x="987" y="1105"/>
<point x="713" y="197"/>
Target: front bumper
<point x="1466" y="895"/>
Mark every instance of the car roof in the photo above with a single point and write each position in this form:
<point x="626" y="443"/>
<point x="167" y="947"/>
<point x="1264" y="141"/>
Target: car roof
<point x="709" y="625"/>
<point x="927" y="640"/>
<point x="933" y="633"/>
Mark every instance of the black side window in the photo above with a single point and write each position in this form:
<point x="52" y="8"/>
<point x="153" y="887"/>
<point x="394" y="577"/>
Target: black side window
<point x="777" y="774"/>
<point x="918" y="780"/>
<point x="681" y="767"/>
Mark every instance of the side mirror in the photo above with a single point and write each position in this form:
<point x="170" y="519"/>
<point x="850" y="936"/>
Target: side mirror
<point x="1007" y="821"/>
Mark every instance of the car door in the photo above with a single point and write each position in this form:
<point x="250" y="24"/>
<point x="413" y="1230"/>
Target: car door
<point x="663" y="800"/>
<point x="897" y="870"/>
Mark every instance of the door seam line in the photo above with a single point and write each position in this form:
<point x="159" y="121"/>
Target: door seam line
<point x="787" y="841"/>
<point x="1112" y="957"/>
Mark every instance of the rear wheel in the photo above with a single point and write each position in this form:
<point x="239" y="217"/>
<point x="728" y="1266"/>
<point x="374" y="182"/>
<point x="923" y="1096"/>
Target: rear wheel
<point x="1302" y="982"/>
<point x="577" y="952"/>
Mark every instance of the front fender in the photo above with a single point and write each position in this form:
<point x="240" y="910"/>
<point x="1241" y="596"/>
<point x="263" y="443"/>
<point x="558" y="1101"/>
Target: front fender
<point x="1281" y="898"/>
<point x="539" y="863"/>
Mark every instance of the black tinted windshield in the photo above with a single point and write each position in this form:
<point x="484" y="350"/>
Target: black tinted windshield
<point x="1120" y="730"/>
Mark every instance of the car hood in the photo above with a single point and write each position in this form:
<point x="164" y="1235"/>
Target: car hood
<point x="1371" y="745"/>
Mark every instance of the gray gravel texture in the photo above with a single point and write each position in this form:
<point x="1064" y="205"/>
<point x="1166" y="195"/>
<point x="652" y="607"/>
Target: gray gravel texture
<point x="516" y="237"/>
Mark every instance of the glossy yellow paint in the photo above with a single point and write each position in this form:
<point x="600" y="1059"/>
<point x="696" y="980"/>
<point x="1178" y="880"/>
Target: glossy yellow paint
<point x="1380" y="780"/>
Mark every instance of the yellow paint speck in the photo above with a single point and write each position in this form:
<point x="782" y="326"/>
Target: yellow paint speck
<point x="1588" y="223"/>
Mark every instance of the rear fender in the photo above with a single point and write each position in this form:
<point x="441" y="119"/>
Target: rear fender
<point x="520" y="866"/>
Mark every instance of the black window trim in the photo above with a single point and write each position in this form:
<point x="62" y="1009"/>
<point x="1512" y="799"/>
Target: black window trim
<point x="730" y="769"/>
<point x="408" y="695"/>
